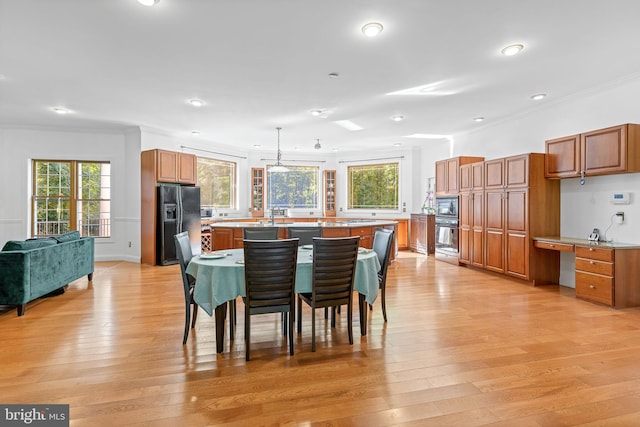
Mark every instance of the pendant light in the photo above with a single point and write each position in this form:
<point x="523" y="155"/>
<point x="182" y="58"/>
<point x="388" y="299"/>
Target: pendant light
<point x="317" y="146"/>
<point x="278" y="167"/>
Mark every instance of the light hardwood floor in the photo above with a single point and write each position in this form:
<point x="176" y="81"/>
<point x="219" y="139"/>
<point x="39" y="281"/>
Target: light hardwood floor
<point x="462" y="348"/>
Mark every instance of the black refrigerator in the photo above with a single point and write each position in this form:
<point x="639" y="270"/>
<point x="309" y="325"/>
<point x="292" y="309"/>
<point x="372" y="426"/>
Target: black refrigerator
<point x="178" y="211"/>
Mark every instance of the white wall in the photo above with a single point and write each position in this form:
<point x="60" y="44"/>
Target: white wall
<point x="582" y="207"/>
<point x="19" y="146"/>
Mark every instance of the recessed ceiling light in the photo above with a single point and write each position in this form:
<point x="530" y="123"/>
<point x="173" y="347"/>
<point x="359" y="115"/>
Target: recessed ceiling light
<point x="478" y="119"/>
<point x="60" y="110"/>
<point x="372" y="29"/>
<point x="196" y="102"/>
<point x="316" y="112"/>
<point x="512" y="49"/>
<point x="195" y="133"/>
<point x="397" y="144"/>
<point x="148" y="2"/>
<point x="397" y="118"/>
<point x="334" y="75"/>
<point x="257" y="145"/>
<point x="334" y="149"/>
<point x="538" y="96"/>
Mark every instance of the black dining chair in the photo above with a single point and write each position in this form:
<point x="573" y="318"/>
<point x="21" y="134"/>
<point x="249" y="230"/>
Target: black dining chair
<point x="333" y="271"/>
<point x="270" y="276"/>
<point x="304" y="234"/>
<point x="183" y="249"/>
<point x="260" y="233"/>
<point x="382" y="245"/>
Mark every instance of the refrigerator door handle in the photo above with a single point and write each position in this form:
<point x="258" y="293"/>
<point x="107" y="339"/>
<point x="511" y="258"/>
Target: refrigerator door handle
<point x="179" y="218"/>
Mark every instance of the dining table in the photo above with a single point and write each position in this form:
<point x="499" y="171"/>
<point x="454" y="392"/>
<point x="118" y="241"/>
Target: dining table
<point x="220" y="278"/>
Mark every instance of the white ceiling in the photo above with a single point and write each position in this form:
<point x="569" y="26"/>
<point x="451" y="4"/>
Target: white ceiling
<point x="259" y="64"/>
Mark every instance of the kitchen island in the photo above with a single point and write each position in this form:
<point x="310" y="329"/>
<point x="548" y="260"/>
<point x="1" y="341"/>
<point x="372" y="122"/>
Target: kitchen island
<point x="229" y="234"/>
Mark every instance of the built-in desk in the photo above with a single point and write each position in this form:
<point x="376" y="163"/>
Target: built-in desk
<point x="606" y="272"/>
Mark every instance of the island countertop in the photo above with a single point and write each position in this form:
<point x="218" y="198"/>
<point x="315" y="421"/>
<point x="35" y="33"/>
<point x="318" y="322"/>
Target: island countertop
<point x="293" y="223"/>
<point x="230" y="235"/>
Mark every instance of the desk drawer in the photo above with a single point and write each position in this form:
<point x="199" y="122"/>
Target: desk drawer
<point x="563" y="247"/>
<point x="594" y="253"/>
<point x="592" y="266"/>
<point x="594" y="287"/>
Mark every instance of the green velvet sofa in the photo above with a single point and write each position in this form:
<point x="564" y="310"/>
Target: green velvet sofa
<point x="34" y="268"/>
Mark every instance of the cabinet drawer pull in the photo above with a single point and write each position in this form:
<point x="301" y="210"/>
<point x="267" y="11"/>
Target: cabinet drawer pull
<point x="553" y="246"/>
<point x="592" y="287"/>
<point x="592" y="262"/>
<point x="590" y="249"/>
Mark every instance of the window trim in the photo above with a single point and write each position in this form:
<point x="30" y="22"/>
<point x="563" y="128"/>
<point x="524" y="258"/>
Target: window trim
<point x="318" y="198"/>
<point x="347" y="188"/>
<point x="73" y="195"/>
<point x="234" y="186"/>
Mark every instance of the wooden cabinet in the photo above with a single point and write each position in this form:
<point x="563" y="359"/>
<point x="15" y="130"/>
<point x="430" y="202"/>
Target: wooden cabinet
<point x="257" y="192"/>
<point x="600" y="152"/>
<point x="471" y="229"/>
<point x="595" y="274"/>
<point x="448" y="173"/>
<point x="158" y="166"/>
<point x="423" y="233"/>
<point x="175" y="167"/>
<point x="329" y="193"/>
<point x="336" y="232"/>
<point x="519" y="203"/>
<point x="562" y="157"/>
<point x="402" y="233"/>
<point x="366" y="236"/>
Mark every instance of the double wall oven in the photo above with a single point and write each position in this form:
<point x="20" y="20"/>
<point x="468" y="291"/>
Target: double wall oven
<point x="447" y="226"/>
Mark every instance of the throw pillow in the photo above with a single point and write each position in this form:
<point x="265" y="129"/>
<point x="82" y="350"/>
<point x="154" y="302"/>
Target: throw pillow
<point x="27" y="245"/>
<point x="68" y="237"/>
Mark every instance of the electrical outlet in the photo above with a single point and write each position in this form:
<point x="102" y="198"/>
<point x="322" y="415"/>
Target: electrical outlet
<point x="619" y="217"/>
<point x="373" y="214"/>
<point x="129" y="244"/>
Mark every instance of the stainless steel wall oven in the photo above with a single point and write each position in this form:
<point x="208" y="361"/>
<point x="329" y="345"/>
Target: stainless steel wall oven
<point x="447" y="225"/>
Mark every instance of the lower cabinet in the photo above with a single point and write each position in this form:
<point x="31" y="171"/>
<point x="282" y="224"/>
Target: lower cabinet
<point x="595" y="270"/>
<point x="423" y="233"/>
<point x="608" y="276"/>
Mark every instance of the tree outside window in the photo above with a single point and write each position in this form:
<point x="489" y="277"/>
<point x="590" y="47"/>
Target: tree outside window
<point x="373" y="186"/>
<point x="296" y="189"/>
<point x="217" y="182"/>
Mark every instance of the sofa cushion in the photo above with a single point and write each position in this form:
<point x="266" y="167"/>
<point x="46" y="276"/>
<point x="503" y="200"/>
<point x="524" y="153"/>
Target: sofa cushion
<point x="68" y="237"/>
<point x="27" y="245"/>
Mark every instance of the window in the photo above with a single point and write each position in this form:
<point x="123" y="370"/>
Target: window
<point x="297" y="188"/>
<point x="373" y="186"/>
<point x="217" y="182"/>
<point x="71" y="195"/>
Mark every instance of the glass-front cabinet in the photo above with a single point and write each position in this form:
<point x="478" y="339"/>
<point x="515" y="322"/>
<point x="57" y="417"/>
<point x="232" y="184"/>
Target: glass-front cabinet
<point x="257" y="192"/>
<point x="329" y="193"/>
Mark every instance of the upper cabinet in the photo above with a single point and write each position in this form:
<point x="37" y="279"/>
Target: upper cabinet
<point x="507" y="172"/>
<point x="601" y="152"/>
<point x="175" y="167"/>
<point x="448" y="174"/>
<point x="329" y="193"/>
<point x="257" y="192"/>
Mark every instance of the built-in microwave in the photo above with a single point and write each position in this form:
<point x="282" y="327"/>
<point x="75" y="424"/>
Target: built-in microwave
<point x="447" y="206"/>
